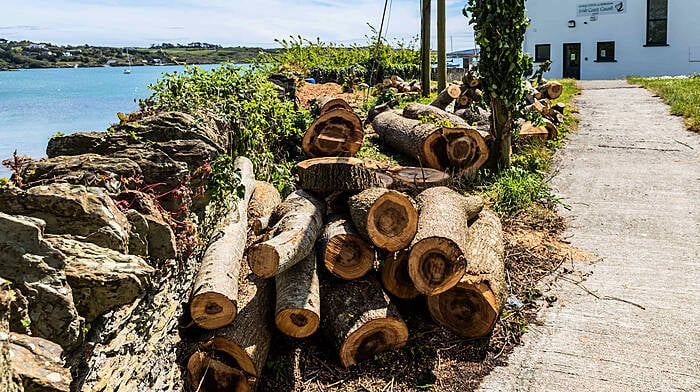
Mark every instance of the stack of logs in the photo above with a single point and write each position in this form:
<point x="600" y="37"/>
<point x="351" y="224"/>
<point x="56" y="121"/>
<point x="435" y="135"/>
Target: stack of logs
<point x="539" y="100"/>
<point x="398" y="85"/>
<point x="337" y="253"/>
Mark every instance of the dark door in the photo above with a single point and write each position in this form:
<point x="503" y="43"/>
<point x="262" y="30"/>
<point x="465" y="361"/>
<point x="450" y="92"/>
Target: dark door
<point x="572" y="61"/>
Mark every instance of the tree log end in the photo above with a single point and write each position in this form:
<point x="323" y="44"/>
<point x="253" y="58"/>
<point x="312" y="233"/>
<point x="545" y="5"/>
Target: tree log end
<point x="395" y="276"/>
<point x="435" y="265"/>
<point x="209" y="375"/>
<point x="337" y="132"/>
<point x="469" y="309"/>
<point x="297" y="323"/>
<point x="392" y="221"/>
<point x="236" y="352"/>
<point x="212" y="310"/>
<point x="373" y="337"/>
<point x="348" y="256"/>
<point x="264" y="260"/>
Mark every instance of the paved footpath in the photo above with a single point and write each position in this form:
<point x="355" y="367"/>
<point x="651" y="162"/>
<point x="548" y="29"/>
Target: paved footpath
<point x="631" y="176"/>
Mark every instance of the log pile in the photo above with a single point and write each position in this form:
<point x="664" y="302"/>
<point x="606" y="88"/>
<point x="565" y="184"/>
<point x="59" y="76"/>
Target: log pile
<point x="539" y="100"/>
<point x="334" y="256"/>
<point x="398" y="85"/>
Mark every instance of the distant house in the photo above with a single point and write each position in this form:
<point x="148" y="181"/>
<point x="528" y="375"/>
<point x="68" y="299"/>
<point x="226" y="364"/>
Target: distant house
<point x="74" y="51"/>
<point x="66" y="54"/>
<point x="36" y="46"/>
<point x="468" y="56"/>
<point x="156" y="61"/>
<point x="112" y="62"/>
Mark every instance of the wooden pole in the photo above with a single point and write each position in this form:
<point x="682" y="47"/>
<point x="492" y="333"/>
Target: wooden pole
<point x="425" y="48"/>
<point x="442" y="53"/>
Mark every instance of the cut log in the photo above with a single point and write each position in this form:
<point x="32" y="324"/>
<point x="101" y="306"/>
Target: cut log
<point x="446" y="96"/>
<point x="437" y="257"/>
<point x="470" y="79"/>
<point x="344" y="253"/>
<point x="215" y="290"/>
<point x="559" y="107"/>
<point x="556" y="117"/>
<point x="478" y="117"/>
<point x="552" y="131"/>
<point x="431" y="144"/>
<point x="387" y="218"/>
<point x="375" y="110"/>
<point x="388" y="82"/>
<point x="292" y="238"/>
<point x="247" y="339"/>
<point x="408" y="178"/>
<point x="415" y="111"/>
<point x="529" y="131"/>
<point x="298" y="311"/>
<point x="328" y="175"/>
<point x="210" y="375"/>
<point x="395" y="79"/>
<point x="395" y="276"/>
<point x="337" y="132"/>
<point x="326" y="103"/>
<point x="362" y="320"/>
<point x="551" y="90"/>
<point x="264" y="200"/>
<point x="471" y="308"/>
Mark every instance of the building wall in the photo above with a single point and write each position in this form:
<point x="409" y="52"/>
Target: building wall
<point x="549" y="25"/>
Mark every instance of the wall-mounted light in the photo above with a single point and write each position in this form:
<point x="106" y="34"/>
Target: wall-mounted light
<point x="572" y="24"/>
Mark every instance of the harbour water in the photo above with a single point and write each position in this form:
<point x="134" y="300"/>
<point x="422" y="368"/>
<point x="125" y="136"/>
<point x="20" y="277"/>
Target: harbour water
<point x="37" y="103"/>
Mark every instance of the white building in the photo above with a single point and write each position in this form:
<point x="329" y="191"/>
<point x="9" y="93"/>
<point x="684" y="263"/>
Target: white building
<point x="588" y="39"/>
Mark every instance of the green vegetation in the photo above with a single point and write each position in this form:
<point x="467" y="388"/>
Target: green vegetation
<point x="682" y="93"/>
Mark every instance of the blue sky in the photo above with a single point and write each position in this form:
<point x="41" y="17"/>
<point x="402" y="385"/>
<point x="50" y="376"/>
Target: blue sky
<point x="227" y="22"/>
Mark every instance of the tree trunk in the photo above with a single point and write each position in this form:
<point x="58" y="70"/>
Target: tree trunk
<point x="528" y="131"/>
<point x="292" y="238"/>
<point x="552" y="131"/>
<point x="395" y="276"/>
<point x="551" y="90"/>
<point x="415" y="111"/>
<point x="463" y="149"/>
<point x="298" y="311"/>
<point x="215" y="291"/>
<point x="362" y="321"/>
<point x="328" y="175"/>
<point x="211" y="375"/>
<point x="437" y="257"/>
<point x="446" y="96"/>
<point x="334" y="133"/>
<point x="471" y="308"/>
<point x="416" y="179"/>
<point x="326" y="103"/>
<point x="559" y="107"/>
<point x="344" y="253"/>
<point x="262" y="203"/>
<point x="502" y="126"/>
<point x="478" y="117"/>
<point x="388" y="218"/>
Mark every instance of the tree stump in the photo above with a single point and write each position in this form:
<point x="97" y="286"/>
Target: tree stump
<point x="388" y="218"/>
<point x="344" y="253"/>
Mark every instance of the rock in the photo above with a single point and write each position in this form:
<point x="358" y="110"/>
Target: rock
<point x="157" y="233"/>
<point x="138" y="233"/>
<point x="156" y="166"/>
<point x="74" y="144"/>
<point x="36" y="272"/>
<point x="7" y="380"/>
<point x="101" y="279"/>
<point x="84" y="169"/>
<point x="168" y="126"/>
<point x="192" y="152"/>
<point x="71" y="209"/>
<point x="38" y="364"/>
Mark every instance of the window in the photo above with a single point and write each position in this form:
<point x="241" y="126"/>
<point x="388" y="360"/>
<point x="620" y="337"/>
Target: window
<point x="657" y="22"/>
<point x="606" y="51"/>
<point x="542" y="53"/>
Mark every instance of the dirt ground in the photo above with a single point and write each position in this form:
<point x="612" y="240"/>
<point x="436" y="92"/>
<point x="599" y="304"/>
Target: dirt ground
<point x="306" y="92"/>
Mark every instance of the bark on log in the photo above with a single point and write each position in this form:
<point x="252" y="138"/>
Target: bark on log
<point x="529" y="131"/>
<point x="362" y="321"/>
<point x="437" y="257"/>
<point x="551" y="90"/>
<point x="446" y="96"/>
<point x="395" y="276"/>
<point x="298" y="310"/>
<point x="375" y="110"/>
<point x="463" y="149"/>
<point x="211" y="375"/>
<point x="214" y="301"/>
<point x="326" y="103"/>
<point x="334" y="133"/>
<point x="559" y="107"/>
<point x="344" y="253"/>
<point x="471" y="308"/>
<point x="292" y="238"/>
<point x="328" y="174"/>
<point x="264" y="200"/>
<point x="411" y="179"/>
<point x="478" y="117"/>
<point x="415" y="111"/>
<point x="552" y="131"/>
<point x="388" y="218"/>
<point x="395" y="79"/>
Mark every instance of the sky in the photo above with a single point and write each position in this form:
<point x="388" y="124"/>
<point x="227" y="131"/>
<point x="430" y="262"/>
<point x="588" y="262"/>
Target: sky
<point x="226" y="22"/>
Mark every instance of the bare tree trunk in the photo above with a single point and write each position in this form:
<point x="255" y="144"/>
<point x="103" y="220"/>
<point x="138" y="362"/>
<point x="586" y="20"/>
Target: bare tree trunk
<point x="502" y="127"/>
<point x="298" y="310"/>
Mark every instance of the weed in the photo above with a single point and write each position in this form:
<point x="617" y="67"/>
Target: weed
<point x="681" y="93"/>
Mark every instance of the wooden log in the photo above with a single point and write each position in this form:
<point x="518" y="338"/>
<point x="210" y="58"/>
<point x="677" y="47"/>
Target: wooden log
<point x="470" y="79"/>
<point x="428" y="143"/>
<point x="529" y="131"/>
<point x="326" y="103"/>
<point x="388" y="82"/>
<point x="437" y="257"/>
<point x="395" y="278"/>
<point x="395" y="79"/>
<point x="375" y="110"/>
<point x="474" y="117"/>
<point x="552" y="131"/>
<point x="298" y="310"/>
<point x="556" y="117"/>
<point x="337" y="132"/>
<point x="551" y="90"/>
<point x="446" y="96"/>
<point x="247" y="339"/>
<point x="215" y="291"/>
<point x="292" y="237"/>
<point x="207" y="374"/>
<point x="328" y="175"/>
<point x="344" y="253"/>
<point x="362" y="321"/>
<point x="411" y="179"/>
<point x="559" y="107"/>
<point x="387" y="218"/>
<point x="471" y="308"/>
<point x="415" y="111"/>
<point x="263" y="201"/>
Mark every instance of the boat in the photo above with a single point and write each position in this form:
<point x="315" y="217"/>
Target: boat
<point x="128" y="70"/>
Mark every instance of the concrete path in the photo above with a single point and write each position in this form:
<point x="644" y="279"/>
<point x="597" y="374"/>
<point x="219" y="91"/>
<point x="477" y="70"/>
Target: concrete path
<point x="631" y="175"/>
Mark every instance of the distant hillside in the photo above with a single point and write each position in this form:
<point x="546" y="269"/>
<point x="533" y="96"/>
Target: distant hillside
<point x="26" y="54"/>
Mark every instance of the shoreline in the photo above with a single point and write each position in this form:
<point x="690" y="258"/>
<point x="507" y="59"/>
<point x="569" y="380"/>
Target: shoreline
<point x="107" y="66"/>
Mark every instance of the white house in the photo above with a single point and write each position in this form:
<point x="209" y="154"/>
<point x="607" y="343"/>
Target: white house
<point x="589" y="39"/>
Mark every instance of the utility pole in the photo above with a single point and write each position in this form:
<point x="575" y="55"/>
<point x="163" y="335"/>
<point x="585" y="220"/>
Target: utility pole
<point x="442" y="55"/>
<point x="425" y="47"/>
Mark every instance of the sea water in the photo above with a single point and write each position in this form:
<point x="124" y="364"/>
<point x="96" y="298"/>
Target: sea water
<point x="38" y="103"/>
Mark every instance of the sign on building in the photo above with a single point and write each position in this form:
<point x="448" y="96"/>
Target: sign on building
<point x="602" y="8"/>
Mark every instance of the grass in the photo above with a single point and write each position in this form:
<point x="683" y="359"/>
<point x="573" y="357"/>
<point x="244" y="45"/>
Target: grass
<point x="681" y="93"/>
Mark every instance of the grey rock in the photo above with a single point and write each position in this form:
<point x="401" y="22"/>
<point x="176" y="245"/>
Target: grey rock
<point x="37" y="363"/>
<point x="138" y="233"/>
<point x="192" y="152"/>
<point x="156" y="166"/>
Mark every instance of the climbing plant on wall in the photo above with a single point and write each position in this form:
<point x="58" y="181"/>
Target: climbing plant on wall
<point x="499" y="29"/>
